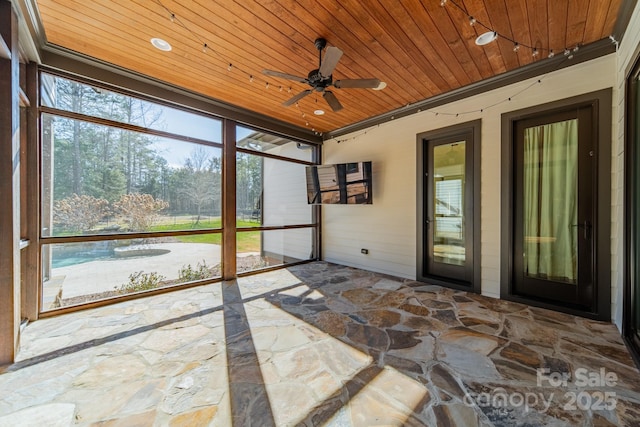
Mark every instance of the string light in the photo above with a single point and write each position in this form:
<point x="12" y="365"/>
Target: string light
<point x="509" y="99"/>
<point x="535" y="51"/>
<point x="358" y="135"/>
<point x="480" y="110"/>
<point x="205" y="49"/>
<point x="460" y="114"/>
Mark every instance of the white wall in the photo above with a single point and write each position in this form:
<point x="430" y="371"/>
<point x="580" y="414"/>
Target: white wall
<point x="628" y="51"/>
<point x="284" y="202"/>
<point x="388" y="227"/>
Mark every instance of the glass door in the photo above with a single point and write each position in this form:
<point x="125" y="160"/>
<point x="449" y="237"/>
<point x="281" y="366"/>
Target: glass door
<point x="554" y="221"/>
<point x="449" y="204"/>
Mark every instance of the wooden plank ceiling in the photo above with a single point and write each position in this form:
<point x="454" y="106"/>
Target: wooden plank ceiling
<point x="419" y="48"/>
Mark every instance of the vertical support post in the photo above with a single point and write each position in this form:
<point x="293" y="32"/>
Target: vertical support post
<point x="31" y="279"/>
<point x="229" y="267"/>
<point x="317" y="211"/>
<point x="9" y="188"/>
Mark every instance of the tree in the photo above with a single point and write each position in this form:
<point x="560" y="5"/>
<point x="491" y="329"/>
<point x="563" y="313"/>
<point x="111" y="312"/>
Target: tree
<point x="248" y="182"/>
<point x="103" y="161"/>
<point x="139" y="210"/>
<point x="199" y="180"/>
<point x="79" y="213"/>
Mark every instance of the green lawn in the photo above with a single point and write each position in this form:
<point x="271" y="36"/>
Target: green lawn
<point x="246" y="242"/>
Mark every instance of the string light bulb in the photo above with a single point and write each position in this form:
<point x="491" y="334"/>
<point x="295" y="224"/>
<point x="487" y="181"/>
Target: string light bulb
<point x="488" y="37"/>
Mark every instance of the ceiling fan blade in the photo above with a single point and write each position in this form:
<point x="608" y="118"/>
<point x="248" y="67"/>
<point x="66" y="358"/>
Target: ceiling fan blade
<point x="331" y="58"/>
<point x="297" y="98"/>
<point x="357" y="83"/>
<point x="332" y="100"/>
<point x="284" y="76"/>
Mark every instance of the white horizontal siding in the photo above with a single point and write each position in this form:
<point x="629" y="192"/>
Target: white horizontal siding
<point x="626" y="55"/>
<point x="387" y="228"/>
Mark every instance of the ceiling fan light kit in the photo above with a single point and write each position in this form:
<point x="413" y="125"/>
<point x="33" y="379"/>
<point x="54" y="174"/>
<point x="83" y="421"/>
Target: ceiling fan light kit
<point x="321" y="78"/>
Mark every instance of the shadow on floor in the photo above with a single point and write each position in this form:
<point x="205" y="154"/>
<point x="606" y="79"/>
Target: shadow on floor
<point x="248" y="395"/>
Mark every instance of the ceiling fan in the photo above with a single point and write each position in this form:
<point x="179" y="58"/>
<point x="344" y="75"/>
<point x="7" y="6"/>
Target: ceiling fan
<point x="321" y="79"/>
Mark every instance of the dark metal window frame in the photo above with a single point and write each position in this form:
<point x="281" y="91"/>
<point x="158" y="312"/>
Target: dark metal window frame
<point x="228" y="230"/>
<point x="473" y="127"/>
<point x="601" y="102"/>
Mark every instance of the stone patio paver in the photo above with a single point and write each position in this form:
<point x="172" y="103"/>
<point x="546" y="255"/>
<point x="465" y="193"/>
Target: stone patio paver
<point x="320" y="344"/>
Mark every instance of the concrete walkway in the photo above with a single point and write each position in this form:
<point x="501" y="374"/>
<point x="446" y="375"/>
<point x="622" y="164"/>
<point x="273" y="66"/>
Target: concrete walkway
<point x="106" y="274"/>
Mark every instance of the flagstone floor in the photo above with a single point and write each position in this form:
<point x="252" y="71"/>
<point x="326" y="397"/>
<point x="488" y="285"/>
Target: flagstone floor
<point x="320" y="344"/>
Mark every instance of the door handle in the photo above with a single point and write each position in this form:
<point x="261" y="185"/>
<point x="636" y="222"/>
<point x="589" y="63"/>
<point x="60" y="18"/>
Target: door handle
<point x="586" y="228"/>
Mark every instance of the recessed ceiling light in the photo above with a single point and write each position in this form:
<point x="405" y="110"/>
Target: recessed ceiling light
<point x="486" y="38"/>
<point x="380" y="86"/>
<point x="318" y="112"/>
<point x="161" y="44"/>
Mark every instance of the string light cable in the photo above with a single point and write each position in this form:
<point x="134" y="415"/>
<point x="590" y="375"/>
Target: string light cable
<point x="517" y="45"/>
<point x="208" y="49"/>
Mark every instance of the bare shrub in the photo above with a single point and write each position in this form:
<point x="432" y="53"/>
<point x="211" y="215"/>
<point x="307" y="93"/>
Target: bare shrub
<point x="139" y="210"/>
<point x="79" y="212"/>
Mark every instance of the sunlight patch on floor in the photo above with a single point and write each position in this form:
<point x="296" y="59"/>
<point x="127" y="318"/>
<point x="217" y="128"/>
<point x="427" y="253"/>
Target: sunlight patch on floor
<point x="302" y="366"/>
<point x="388" y="399"/>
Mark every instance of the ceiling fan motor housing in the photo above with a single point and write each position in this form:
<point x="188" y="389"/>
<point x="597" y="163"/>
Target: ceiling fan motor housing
<point x="322" y="78"/>
<point x="317" y="82"/>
